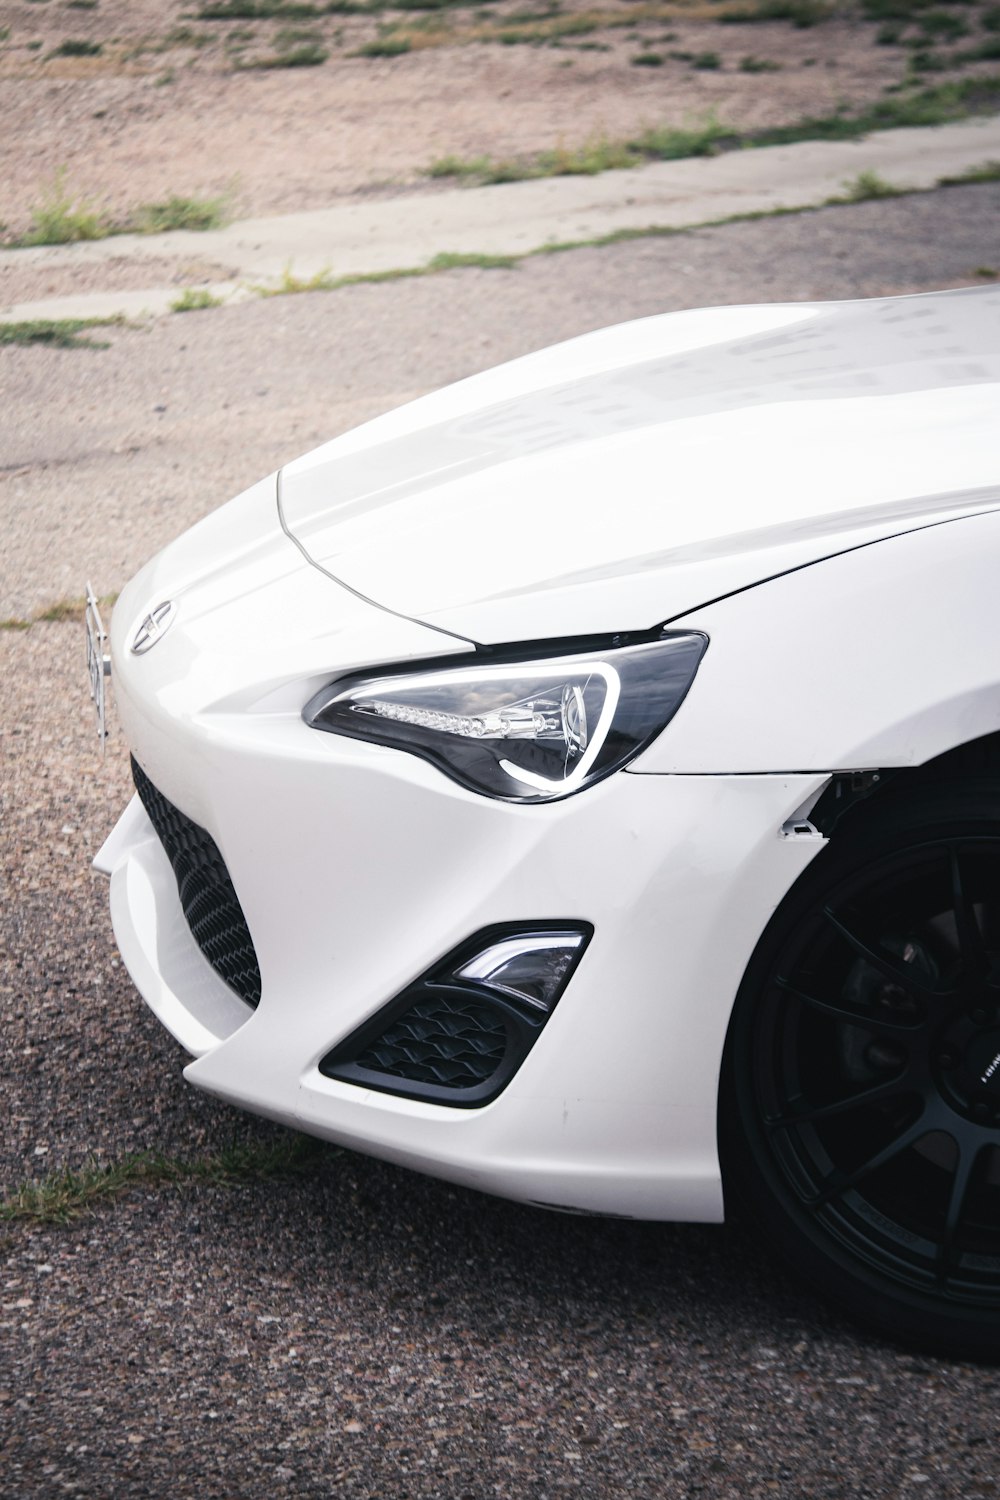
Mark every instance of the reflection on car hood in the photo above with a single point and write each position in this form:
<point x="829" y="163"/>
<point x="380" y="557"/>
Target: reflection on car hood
<point x="623" y="478"/>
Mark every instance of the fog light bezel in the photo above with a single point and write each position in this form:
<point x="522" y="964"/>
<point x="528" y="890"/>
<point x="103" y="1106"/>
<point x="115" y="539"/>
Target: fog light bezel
<point x="523" y="1020"/>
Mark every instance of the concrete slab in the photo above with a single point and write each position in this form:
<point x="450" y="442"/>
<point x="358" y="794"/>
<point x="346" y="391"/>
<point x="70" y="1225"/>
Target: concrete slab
<point x="514" y="218"/>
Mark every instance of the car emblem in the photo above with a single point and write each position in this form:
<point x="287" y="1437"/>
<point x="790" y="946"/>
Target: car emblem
<point x="155" y="624"/>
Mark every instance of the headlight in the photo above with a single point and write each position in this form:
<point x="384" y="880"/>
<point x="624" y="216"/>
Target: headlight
<point x="524" y="731"/>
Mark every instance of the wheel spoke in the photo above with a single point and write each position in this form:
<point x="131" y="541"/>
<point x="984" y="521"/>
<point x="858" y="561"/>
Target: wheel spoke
<point x="840" y="1182"/>
<point x="971" y="947"/>
<point x="907" y="976"/>
<point x="964" y="1168"/>
<point x="877" y="1021"/>
<point x="805" y="1114"/>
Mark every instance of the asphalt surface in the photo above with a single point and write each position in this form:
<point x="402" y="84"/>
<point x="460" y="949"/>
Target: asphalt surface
<point x="349" y="1328"/>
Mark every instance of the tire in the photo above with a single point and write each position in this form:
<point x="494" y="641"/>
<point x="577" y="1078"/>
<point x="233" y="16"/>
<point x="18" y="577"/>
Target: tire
<point x="860" y="1099"/>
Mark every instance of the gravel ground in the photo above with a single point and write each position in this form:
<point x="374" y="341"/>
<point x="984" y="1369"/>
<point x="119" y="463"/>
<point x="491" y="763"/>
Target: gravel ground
<point x="178" y="108"/>
<point x="348" y="1327"/>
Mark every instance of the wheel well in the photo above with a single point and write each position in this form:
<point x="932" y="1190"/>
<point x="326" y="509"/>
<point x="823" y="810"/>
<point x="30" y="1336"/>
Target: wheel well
<point x="850" y="796"/>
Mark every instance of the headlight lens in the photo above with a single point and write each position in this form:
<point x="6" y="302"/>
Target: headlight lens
<point x="524" y="731"/>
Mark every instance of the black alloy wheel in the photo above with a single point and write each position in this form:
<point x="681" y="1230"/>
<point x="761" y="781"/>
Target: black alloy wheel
<point x="860" y="1109"/>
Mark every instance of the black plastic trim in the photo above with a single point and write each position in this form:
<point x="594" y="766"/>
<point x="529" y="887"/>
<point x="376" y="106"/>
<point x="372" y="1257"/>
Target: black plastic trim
<point x="523" y="1023"/>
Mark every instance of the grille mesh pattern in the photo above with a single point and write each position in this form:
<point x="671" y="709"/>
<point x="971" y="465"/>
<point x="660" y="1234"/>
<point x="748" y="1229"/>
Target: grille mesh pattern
<point x="452" y="1043"/>
<point x="206" y="892"/>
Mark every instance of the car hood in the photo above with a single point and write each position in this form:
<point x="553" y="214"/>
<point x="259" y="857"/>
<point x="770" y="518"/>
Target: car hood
<point x="617" y="481"/>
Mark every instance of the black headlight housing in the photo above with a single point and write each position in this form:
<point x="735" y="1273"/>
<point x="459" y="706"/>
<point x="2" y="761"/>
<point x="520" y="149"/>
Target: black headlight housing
<point x="516" y="726"/>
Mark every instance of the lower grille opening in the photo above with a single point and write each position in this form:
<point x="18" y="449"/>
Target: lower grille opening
<point x="444" y="1043"/>
<point x="441" y="1040"/>
<point x="208" y="900"/>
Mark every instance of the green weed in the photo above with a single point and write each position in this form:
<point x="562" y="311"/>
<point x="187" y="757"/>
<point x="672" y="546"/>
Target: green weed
<point x="66" y="1195"/>
<point x="194" y="299"/>
<point x="801" y="13"/>
<point x="77" y="47"/>
<point x="706" y="61"/>
<point x="60" y="613"/>
<point x="759" y="65"/>
<point x="673" y="143"/>
<point x="450" y="260"/>
<point x="258" y="10"/>
<point x="293" y="49"/>
<point x="942" y="25"/>
<point x="925" y="61"/>
<point x="178" y="212"/>
<point x="58" y="333"/>
<point x="384" y="46"/>
<point x="865" y="186"/>
<point x="323" y="281"/>
<point x="929" y="106"/>
<point x="60" y="219"/>
<point x="987" y="51"/>
<point x="987" y="171"/>
<point x="892" y="10"/>
<point x="647" y="60"/>
<point x="476" y="167"/>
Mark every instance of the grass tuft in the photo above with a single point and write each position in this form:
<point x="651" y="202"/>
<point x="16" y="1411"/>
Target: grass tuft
<point x="177" y="212"/>
<point x="452" y="260"/>
<point x="597" y="154"/>
<point x="927" y="106"/>
<point x="865" y="187"/>
<point x="258" y="10"/>
<point x="290" y="284"/>
<point x="293" y="49"/>
<point x="801" y="13"/>
<point x="325" y="281"/>
<point x="987" y="171"/>
<point x="384" y="46"/>
<point x="195" y="299"/>
<point x="60" y="219"/>
<point x="59" y="613"/>
<point x="57" y="333"/>
<point x="64" y="1196"/>
<point x="77" y="47"/>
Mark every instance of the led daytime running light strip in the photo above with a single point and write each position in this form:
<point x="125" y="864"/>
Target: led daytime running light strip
<point x="497" y="724"/>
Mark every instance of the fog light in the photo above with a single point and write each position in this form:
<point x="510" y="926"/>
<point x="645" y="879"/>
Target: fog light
<point x="534" y="967"/>
<point x="459" y="1033"/>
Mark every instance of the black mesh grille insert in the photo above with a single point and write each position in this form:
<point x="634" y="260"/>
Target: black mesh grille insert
<point x="206" y="892"/>
<point x="453" y="1043"/>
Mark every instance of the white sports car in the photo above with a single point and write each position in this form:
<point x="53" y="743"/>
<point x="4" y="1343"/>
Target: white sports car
<point x="584" y="784"/>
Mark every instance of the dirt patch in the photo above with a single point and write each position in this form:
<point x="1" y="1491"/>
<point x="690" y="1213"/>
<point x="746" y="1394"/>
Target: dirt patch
<point x="30" y="283"/>
<point x="175" y="102"/>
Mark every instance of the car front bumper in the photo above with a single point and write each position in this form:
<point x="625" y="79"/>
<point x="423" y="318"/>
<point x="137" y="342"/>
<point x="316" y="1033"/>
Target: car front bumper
<point x="357" y="867"/>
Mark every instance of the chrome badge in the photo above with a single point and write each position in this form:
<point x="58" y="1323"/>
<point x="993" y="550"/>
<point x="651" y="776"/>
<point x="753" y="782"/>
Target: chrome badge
<point x="155" y="625"/>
